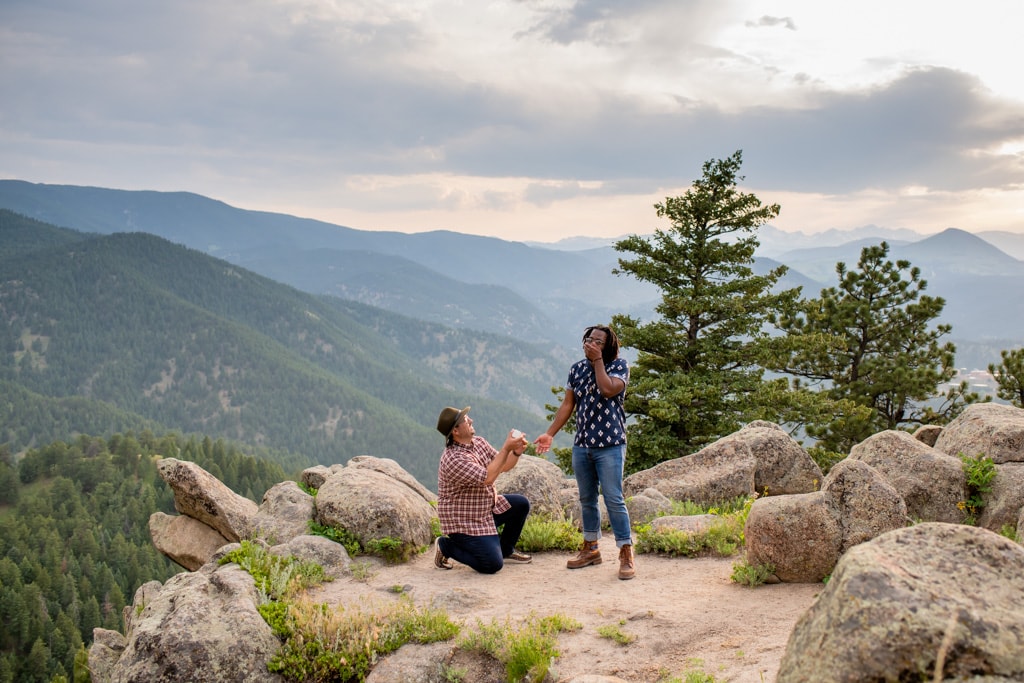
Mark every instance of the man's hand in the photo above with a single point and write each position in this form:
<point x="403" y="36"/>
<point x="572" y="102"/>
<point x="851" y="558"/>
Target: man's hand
<point x="516" y="442"/>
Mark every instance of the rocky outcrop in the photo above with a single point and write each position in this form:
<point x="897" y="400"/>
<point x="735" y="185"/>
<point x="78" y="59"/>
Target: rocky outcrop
<point x="985" y="429"/>
<point x="930" y="481"/>
<point x="198" y="627"/>
<point x="184" y="540"/>
<point x="803" y="536"/>
<point x="912" y="601"/>
<point x="204" y="625"/>
<point x="373" y="506"/>
<point x="759" y="458"/>
<point x="200" y="495"/>
<point x="285" y="513"/>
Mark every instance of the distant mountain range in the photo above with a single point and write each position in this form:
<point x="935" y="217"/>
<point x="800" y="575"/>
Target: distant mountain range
<point x="543" y="294"/>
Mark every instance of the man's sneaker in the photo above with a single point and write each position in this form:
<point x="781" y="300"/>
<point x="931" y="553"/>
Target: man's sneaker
<point x="440" y="561"/>
<point x="519" y="558"/>
<point x="589" y="554"/>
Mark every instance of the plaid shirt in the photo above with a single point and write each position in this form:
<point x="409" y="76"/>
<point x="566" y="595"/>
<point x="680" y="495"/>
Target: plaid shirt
<point x="464" y="504"/>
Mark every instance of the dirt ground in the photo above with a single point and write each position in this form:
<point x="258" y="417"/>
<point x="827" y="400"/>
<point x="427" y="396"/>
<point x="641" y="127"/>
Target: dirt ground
<point x="686" y="614"/>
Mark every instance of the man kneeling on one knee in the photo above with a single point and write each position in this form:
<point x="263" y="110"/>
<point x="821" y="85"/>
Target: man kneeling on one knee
<point x="468" y="505"/>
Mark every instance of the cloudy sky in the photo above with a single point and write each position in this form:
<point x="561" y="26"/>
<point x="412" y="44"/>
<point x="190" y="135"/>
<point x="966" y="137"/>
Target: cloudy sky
<point x="525" y="119"/>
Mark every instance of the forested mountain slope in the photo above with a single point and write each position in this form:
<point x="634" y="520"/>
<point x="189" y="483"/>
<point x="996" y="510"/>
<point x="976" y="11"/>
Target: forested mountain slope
<point x="75" y="543"/>
<point x="198" y="345"/>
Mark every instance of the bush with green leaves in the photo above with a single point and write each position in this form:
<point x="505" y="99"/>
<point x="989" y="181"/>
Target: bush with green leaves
<point x="722" y="538"/>
<point x="339" y="643"/>
<point x="276" y="576"/>
<point x="393" y="550"/>
<point x="615" y="632"/>
<point x="751" y="575"/>
<point x="979" y="472"/>
<point x="549" y="532"/>
<point x="526" y="653"/>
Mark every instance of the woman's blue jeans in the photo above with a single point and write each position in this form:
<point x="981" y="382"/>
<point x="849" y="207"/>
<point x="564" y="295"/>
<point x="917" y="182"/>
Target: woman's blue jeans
<point x="487" y="554"/>
<point x="604" y="467"/>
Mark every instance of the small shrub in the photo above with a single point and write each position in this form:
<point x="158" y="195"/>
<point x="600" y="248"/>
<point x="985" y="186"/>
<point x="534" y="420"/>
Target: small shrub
<point x="723" y="538"/>
<point x="453" y="674"/>
<point x="545" y="532"/>
<point x="362" y="571"/>
<point x="338" y="535"/>
<point x="751" y="575"/>
<point x="615" y="632"/>
<point x="276" y="576"/>
<point x="527" y="653"/>
<point x="338" y="643"/>
<point x="393" y="550"/>
<point x="979" y="472"/>
<point x="275" y="613"/>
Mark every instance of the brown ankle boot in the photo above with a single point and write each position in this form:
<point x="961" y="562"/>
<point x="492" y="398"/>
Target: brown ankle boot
<point x="626" y="568"/>
<point x="589" y="554"/>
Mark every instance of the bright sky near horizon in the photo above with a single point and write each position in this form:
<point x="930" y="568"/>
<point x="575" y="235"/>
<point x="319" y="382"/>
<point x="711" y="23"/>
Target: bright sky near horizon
<point x="525" y="119"/>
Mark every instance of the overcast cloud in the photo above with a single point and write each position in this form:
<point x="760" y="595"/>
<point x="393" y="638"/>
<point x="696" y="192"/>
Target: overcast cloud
<point x="525" y="119"/>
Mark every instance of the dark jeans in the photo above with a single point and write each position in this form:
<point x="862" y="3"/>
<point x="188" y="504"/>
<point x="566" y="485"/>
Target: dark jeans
<point x="486" y="553"/>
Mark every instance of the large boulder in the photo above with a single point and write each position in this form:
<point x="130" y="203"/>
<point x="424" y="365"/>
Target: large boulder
<point x="863" y="503"/>
<point x="540" y="480"/>
<point x="1004" y="504"/>
<point x="328" y="554"/>
<point x="783" y="466"/>
<point x="200" y="495"/>
<point x="184" y="540"/>
<point x="759" y="458"/>
<point x="373" y="506"/>
<point x="392" y="469"/>
<point x="199" y="627"/>
<point x="720" y="471"/>
<point x="911" y="601"/>
<point x="315" y="476"/>
<point x="930" y="481"/>
<point x="802" y="536"/>
<point x="285" y="513"/>
<point x="797" y="535"/>
<point x="985" y="429"/>
<point x="647" y="505"/>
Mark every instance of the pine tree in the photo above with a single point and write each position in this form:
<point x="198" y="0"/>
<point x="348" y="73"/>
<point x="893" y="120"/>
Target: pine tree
<point x="885" y="354"/>
<point x="699" y="371"/>
<point x="1009" y="373"/>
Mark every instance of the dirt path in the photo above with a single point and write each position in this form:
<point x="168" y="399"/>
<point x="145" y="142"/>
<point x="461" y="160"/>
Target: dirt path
<point x="686" y="614"/>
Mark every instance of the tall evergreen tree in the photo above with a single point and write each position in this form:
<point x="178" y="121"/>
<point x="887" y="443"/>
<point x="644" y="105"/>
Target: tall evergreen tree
<point x="885" y="354"/>
<point x="699" y="371"/>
